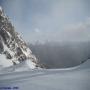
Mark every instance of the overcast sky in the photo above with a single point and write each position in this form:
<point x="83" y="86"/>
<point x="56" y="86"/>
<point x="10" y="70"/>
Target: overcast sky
<point x="52" y="20"/>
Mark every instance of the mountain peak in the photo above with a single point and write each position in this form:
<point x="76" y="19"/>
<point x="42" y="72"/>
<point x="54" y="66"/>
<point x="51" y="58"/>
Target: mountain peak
<point x="12" y="47"/>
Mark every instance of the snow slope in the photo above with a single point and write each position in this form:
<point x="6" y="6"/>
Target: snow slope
<point x="75" y="78"/>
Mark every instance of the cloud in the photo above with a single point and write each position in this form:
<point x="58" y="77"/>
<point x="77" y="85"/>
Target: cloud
<point x="37" y="30"/>
<point x="72" y="32"/>
<point x="78" y="31"/>
<point x="57" y="20"/>
<point x="81" y="26"/>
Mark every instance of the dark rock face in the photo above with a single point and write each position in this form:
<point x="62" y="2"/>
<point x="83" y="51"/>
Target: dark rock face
<point x="1" y="46"/>
<point x="19" y="51"/>
<point x="11" y="43"/>
<point x="8" y="56"/>
<point x="4" y="35"/>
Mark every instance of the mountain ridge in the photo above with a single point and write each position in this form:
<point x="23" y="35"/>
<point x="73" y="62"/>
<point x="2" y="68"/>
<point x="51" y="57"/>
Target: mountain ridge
<point x="12" y="46"/>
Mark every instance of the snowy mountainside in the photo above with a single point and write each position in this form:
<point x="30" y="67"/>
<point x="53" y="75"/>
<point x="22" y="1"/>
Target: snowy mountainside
<point x="13" y="49"/>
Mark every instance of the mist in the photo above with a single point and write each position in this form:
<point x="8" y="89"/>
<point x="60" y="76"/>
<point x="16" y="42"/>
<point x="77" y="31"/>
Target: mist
<point x="53" y="20"/>
<point x="61" y="55"/>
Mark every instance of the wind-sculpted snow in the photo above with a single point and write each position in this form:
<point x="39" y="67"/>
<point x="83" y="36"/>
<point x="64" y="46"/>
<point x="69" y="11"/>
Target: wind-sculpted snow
<point x="75" y="78"/>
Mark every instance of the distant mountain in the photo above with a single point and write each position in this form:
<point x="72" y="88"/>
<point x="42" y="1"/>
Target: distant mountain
<point x="13" y="49"/>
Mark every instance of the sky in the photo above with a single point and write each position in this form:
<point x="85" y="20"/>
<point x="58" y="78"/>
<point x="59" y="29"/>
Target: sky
<point x="50" y="20"/>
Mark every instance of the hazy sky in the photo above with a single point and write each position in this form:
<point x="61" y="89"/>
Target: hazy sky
<point x="52" y="20"/>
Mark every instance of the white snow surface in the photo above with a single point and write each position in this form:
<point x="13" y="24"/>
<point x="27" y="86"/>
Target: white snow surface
<point x="7" y="66"/>
<point x="75" y="78"/>
<point x="30" y="64"/>
<point x="4" y="62"/>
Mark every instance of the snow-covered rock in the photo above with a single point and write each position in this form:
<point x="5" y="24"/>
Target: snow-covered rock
<point x="13" y="49"/>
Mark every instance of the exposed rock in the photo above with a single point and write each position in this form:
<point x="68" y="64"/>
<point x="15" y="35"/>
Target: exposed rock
<point x="11" y="43"/>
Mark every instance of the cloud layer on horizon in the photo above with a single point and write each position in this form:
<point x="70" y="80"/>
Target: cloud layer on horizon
<point x="53" y="20"/>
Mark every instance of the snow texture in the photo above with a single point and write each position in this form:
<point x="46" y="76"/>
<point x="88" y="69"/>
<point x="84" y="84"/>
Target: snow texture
<point x="75" y="78"/>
